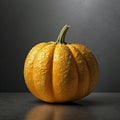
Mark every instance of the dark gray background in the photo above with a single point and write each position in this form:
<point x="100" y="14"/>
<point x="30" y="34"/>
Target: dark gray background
<point x="95" y="23"/>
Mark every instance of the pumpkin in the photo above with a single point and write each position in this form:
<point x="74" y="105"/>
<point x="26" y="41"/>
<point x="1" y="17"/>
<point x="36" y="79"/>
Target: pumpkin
<point x="60" y="71"/>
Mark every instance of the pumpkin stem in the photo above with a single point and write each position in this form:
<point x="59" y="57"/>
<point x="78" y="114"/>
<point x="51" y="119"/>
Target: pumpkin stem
<point x="61" y="36"/>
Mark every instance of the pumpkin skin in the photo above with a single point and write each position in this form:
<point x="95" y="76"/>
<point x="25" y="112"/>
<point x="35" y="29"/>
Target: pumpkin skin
<point x="60" y="72"/>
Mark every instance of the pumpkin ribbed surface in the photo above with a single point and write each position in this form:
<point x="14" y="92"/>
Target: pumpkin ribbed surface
<point x="60" y="72"/>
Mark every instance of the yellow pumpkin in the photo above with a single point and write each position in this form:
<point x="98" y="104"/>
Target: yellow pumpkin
<point x="60" y="72"/>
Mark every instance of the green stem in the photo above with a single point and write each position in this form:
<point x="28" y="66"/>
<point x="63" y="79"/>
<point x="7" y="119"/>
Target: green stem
<point x="61" y="36"/>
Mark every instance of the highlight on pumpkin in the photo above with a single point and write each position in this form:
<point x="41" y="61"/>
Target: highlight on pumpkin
<point x="60" y="72"/>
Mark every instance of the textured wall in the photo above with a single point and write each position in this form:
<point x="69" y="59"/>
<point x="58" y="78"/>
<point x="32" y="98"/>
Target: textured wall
<point x="23" y="23"/>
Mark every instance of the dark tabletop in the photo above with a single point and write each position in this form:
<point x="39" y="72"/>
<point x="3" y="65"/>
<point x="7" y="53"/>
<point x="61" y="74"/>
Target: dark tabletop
<point x="24" y="106"/>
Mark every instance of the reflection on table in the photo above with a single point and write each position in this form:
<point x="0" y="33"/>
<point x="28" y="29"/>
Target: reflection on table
<point x="59" y="112"/>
